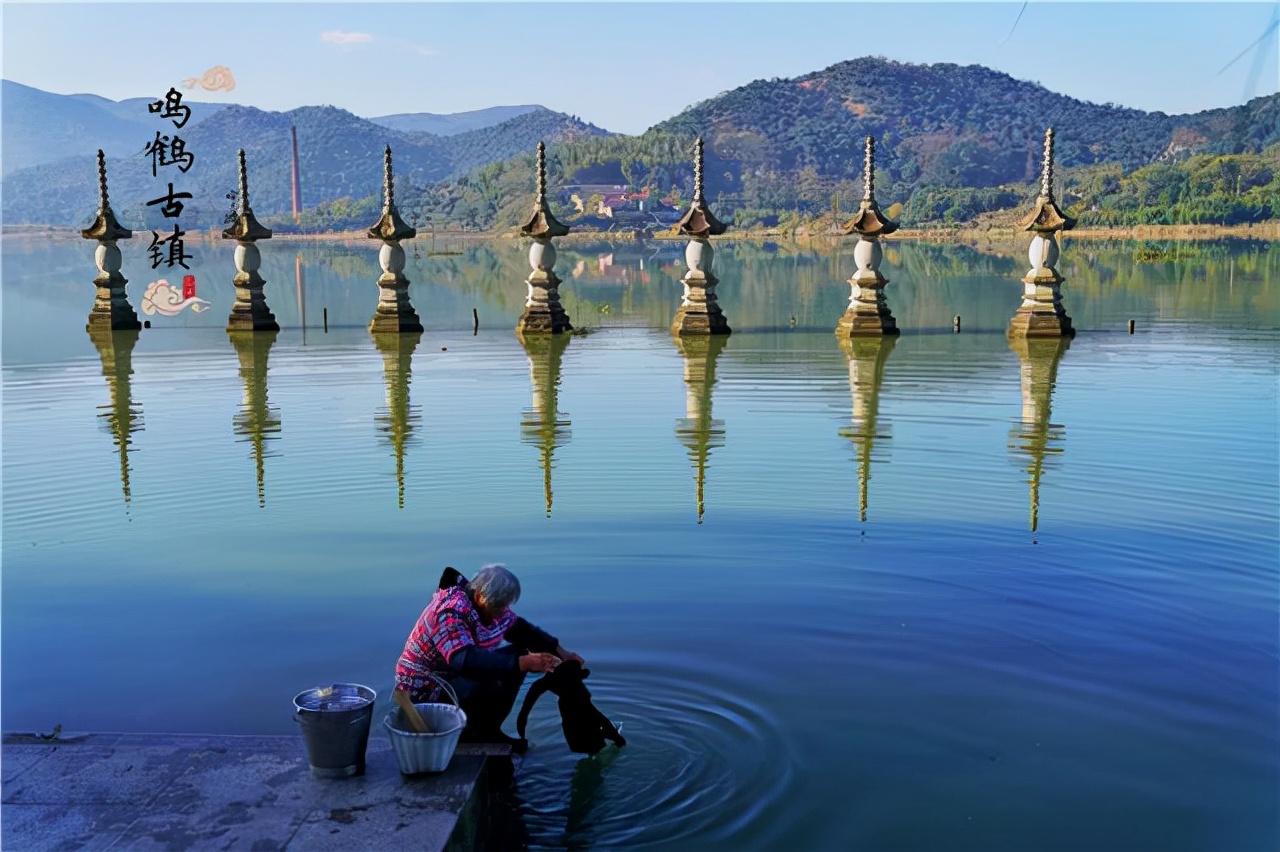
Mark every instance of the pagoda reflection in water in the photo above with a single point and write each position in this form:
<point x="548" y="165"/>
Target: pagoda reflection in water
<point x="867" y="357"/>
<point x="257" y="421"/>
<point x="399" y="420"/>
<point x="698" y="430"/>
<point x="543" y="425"/>
<point x="120" y="417"/>
<point x="1035" y="439"/>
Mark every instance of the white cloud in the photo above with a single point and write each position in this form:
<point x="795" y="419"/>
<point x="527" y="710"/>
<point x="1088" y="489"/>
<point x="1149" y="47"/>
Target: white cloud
<point x="341" y="37"/>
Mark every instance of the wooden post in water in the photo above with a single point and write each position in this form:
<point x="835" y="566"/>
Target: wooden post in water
<point x="111" y="309"/>
<point x="543" y="313"/>
<point x="1041" y="313"/>
<point x="868" y="313"/>
<point x="249" y="312"/>
<point x="699" y="312"/>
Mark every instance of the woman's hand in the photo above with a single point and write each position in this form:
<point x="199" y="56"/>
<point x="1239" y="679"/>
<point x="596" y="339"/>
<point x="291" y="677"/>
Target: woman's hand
<point x="538" y="662"/>
<point x="565" y="654"/>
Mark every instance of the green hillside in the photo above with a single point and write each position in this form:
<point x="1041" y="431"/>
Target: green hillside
<point x="954" y="143"/>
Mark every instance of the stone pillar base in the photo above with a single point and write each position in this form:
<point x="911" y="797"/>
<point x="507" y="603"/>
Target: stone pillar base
<point x="543" y="320"/>
<point x="700" y="312"/>
<point x="861" y="322"/>
<point x="1041" y="313"/>
<point x="692" y="322"/>
<point x="543" y="313"/>
<point x="249" y="312"/>
<point x="868" y="314"/>
<point x="111" y="309"/>
<point x="1040" y="321"/>
<point x="394" y="313"/>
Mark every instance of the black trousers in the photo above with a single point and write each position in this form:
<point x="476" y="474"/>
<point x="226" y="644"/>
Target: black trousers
<point x="488" y="701"/>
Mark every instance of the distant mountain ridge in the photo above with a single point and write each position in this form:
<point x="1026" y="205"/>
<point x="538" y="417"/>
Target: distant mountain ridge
<point x="340" y="154"/>
<point x="41" y="127"/>
<point x="451" y="124"/>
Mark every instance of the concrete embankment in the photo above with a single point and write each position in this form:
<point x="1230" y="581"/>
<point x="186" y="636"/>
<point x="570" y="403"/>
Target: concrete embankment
<point x="181" y="791"/>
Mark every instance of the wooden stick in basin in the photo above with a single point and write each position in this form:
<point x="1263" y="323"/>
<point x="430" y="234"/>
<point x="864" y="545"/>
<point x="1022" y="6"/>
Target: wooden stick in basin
<point x="410" y="712"/>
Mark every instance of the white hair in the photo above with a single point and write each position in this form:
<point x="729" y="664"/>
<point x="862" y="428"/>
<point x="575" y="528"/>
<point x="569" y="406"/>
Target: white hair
<point x="498" y="586"/>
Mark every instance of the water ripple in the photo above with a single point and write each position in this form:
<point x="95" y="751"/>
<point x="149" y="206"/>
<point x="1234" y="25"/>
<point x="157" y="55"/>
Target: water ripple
<point x="701" y="764"/>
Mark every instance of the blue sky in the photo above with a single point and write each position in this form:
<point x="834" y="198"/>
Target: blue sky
<point x="627" y="66"/>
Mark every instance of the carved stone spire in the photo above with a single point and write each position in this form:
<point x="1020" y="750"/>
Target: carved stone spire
<point x="246" y="228"/>
<point x="243" y="195"/>
<point x="869" y="171"/>
<point x="542" y="171"/>
<point x="698" y="220"/>
<point x="388" y="182"/>
<point x="542" y="224"/>
<point x="697" y="169"/>
<point x="869" y="221"/>
<point x="1046" y="168"/>
<point x="390" y="227"/>
<point x="1041" y="313"/>
<point x="105" y="227"/>
<point x="1046" y="216"/>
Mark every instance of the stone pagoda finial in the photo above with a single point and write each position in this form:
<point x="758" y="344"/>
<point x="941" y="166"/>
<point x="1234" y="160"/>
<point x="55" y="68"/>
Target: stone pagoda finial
<point x="869" y="221"/>
<point x="1046" y="216"/>
<point x="243" y="185"/>
<point x="1046" y="170"/>
<point x="246" y="228"/>
<point x="868" y="313"/>
<point x="542" y="224"/>
<point x="1041" y="313"/>
<point x="542" y="171"/>
<point x="105" y="227"/>
<point x="390" y="227"/>
<point x="869" y="171"/>
<point x="394" y="312"/>
<point x="111" y="309"/>
<point x="697" y="169"/>
<point x="698" y="220"/>
<point x="388" y="183"/>
<point x="249" y="311"/>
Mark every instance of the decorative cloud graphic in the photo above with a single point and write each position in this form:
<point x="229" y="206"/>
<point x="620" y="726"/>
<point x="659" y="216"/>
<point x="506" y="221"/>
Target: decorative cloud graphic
<point x="217" y="79"/>
<point x="342" y="37"/>
<point x="161" y="298"/>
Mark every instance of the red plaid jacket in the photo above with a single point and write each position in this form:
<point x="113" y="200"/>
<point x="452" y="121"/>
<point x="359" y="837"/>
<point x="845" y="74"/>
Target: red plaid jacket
<point x="448" y="624"/>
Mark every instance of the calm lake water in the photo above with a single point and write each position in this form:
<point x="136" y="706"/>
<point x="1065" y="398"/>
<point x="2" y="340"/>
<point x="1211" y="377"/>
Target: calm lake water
<point x="937" y="592"/>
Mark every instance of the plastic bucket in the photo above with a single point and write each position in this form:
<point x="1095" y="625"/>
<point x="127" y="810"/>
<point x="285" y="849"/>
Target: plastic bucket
<point x="335" y="722"/>
<point x="431" y="751"/>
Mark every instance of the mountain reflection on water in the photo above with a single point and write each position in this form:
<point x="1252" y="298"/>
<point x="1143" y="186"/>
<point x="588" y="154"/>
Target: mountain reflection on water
<point x="799" y="567"/>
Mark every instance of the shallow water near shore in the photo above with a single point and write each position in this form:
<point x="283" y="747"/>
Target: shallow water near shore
<point x="937" y="591"/>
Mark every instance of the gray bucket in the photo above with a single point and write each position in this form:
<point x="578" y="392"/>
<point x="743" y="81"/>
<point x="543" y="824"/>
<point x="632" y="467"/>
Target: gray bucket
<point x="335" y="723"/>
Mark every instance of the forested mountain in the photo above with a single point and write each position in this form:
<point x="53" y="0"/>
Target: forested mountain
<point x="340" y="156"/>
<point x="953" y="143"/>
